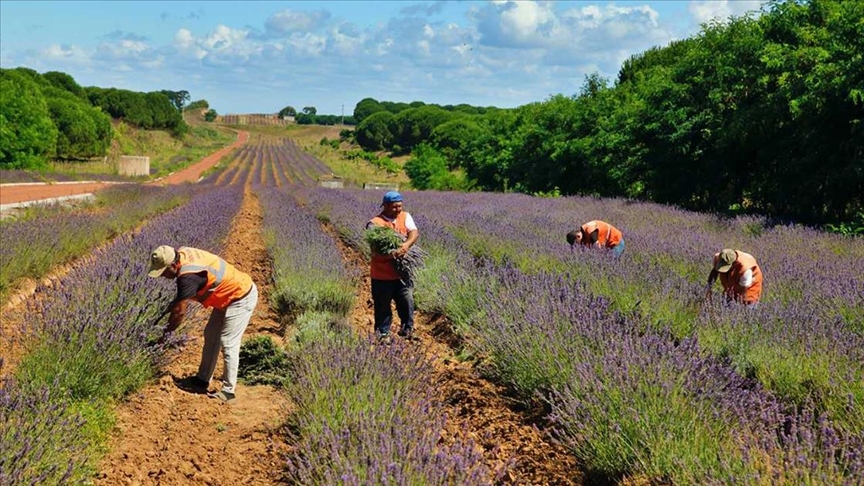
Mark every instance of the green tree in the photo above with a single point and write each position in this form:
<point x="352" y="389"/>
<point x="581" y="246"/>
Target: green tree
<point x="415" y="125"/>
<point x="83" y="131"/>
<point x="427" y="169"/>
<point x="365" y="108"/>
<point x="27" y="135"/>
<point x="66" y="82"/>
<point x="373" y="133"/>
<point x="453" y="138"/>
<point x="310" y="110"/>
<point x="287" y="111"/>
<point x="210" y="115"/>
<point x="177" y="98"/>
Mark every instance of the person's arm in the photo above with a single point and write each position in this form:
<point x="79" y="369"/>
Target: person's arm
<point x="187" y="287"/>
<point x="413" y="234"/>
<point x="594" y="238"/>
<point x="712" y="277"/>
<point x="403" y="250"/>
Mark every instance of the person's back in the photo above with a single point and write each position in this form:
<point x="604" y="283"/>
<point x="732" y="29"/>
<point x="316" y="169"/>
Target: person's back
<point x="599" y="234"/>
<point x="740" y="276"/>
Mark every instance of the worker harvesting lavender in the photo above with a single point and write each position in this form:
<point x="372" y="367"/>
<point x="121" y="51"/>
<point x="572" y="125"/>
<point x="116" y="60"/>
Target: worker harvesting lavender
<point x="391" y="236"/>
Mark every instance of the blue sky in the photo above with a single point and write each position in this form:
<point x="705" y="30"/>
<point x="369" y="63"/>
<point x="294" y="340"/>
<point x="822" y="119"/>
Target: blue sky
<point x="245" y="57"/>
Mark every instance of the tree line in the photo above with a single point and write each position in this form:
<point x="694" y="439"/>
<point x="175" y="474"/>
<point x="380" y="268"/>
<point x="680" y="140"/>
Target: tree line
<point x="309" y="116"/>
<point x="50" y="116"/>
<point x="753" y="114"/>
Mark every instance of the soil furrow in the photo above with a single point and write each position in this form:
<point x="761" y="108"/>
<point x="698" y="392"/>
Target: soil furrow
<point x="165" y="435"/>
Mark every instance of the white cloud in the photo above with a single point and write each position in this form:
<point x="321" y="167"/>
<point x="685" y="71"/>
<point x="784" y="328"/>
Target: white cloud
<point x="66" y="53"/>
<point x="707" y="10"/>
<point x="288" y="21"/>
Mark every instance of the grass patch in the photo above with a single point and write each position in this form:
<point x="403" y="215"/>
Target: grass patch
<point x="262" y="362"/>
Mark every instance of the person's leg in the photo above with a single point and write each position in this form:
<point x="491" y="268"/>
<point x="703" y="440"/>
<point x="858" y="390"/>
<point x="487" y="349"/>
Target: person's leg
<point x="404" y="296"/>
<point x="382" y="294"/>
<point x="237" y="317"/>
<point x="210" y="352"/>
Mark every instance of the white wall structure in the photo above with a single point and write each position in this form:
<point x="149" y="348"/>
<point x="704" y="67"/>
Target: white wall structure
<point x="133" y="165"/>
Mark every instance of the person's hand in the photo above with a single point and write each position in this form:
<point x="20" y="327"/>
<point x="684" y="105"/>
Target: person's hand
<point x="399" y="253"/>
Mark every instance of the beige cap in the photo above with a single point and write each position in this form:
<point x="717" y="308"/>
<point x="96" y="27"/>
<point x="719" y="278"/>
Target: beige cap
<point x="725" y="259"/>
<point x="160" y="259"/>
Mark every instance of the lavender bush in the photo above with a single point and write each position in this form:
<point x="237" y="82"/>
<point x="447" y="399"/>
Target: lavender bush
<point x="53" y="235"/>
<point x="366" y="415"/>
<point x="90" y="337"/>
<point x="307" y="268"/>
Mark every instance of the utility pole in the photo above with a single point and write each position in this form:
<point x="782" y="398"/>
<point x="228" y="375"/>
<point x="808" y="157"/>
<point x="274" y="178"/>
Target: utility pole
<point x="343" y="114"/>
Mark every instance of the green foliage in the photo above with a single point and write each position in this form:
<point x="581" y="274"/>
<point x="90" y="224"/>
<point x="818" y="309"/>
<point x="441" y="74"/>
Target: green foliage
<point x="296" y="294"/>
<point x="453" y="138"/>
<point x="287" y="111"/>
<point x="27" y="134"/>
<point x="65" y="82"/>
<point x="382" y="240"/>
<point x="84" y="132"/>
<point x="210" y="115"/>
<point x="427" y="169"/>
<point x="317" y="326"/>
<point x="373" y="133"/>
<point x="413" y="126"/>
<point x="262" y="362"/>
<point x="850" y="228"/>
<point x="145" y="110"/>
<point x="365" y="108"/>
<point x="197" y="105"/>
<point x="177" y="98"/>
<point x="329" y="143"/>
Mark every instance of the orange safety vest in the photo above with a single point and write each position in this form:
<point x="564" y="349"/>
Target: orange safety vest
<point x="608" y="236"/>
<point x="730" y="279"/>
<point x="382" y="267"/>
<point x="225" y="284"/>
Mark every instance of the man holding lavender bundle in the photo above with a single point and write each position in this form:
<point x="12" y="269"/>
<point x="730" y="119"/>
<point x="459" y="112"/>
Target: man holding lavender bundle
<point x="391" y="236"/>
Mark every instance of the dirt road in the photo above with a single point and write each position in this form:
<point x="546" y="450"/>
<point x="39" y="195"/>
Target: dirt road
<point x="17" y="193"/>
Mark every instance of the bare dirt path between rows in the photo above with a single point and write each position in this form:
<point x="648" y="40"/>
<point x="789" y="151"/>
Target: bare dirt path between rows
<point x="165" y="435"/>
<point x="21" y="193"/>
<point x="476" y="408"/>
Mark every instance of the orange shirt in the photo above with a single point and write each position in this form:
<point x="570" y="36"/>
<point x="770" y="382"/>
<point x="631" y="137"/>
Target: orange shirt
<point x="608" y="236"/>
<point x="731" y="280"/>
<point x="225" y="284"/>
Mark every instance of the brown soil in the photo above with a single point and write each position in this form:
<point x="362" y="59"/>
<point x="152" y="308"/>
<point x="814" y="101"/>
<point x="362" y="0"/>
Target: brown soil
<point x="165" y="435"/>
<point x="36" y="192"/>
<point x="193" y="172"/>
<point x="476" y="408"/>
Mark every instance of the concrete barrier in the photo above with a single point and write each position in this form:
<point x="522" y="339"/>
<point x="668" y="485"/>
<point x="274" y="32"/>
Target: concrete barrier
<point x="332" y="184"/>
<point x="381" y="186"/>
<point x="133" y="165"/>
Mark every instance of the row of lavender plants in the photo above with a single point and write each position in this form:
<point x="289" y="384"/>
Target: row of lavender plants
<point x="628" y="395"/>
<point x="50" y="235"/>
<point x="90" y="340"/>
<point x="363" y="414"/>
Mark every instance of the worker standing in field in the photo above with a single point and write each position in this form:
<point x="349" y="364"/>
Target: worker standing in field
<point x="598" y="234"/>
<point x="214" y="283"/>
<point x="740" y="276"/>
<point x="387" y="283"/>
